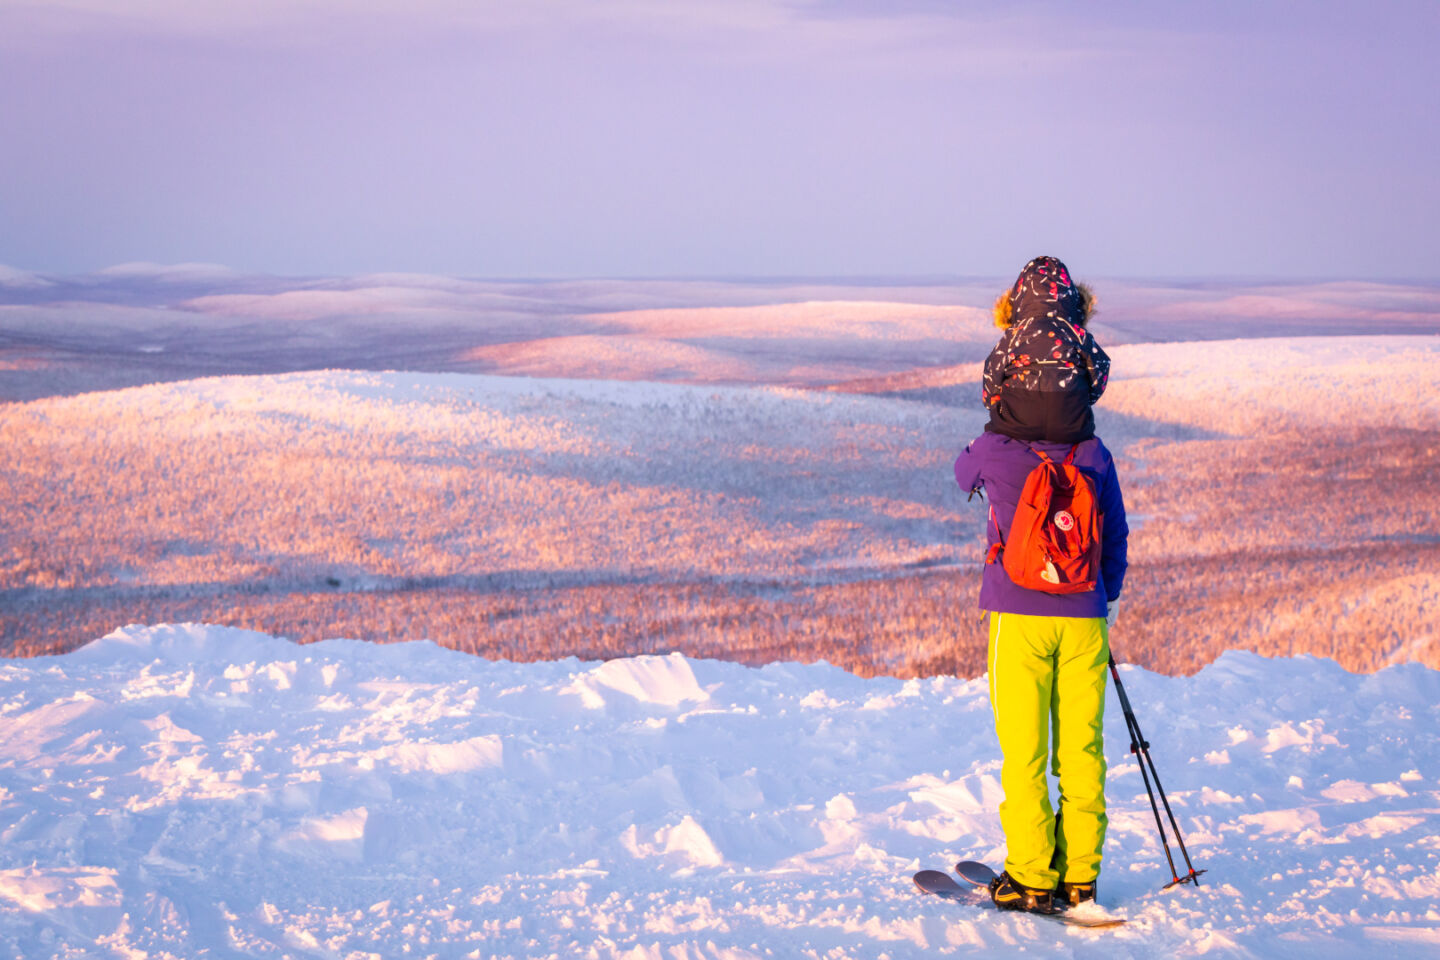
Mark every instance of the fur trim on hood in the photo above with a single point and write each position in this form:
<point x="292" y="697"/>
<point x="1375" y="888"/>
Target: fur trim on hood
<point x="1044" y="288"/>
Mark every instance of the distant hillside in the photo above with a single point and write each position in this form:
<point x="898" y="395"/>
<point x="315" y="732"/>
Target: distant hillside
<point x="146" y="323"/>
<point x="1281" y="492"/>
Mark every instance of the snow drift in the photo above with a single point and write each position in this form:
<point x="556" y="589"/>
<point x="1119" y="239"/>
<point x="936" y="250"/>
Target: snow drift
<point x="172" y="790"/>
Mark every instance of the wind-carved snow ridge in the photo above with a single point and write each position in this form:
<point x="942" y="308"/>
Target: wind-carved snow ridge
<point x="187" y="790"/>
<point x="664" y="681"/>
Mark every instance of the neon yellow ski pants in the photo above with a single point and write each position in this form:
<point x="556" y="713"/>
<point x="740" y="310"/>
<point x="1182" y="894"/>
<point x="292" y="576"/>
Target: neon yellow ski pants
<point x="1047" y="690"/>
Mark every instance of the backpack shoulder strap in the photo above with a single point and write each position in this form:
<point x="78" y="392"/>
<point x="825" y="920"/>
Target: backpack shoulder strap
<point x="1039" y="453"/>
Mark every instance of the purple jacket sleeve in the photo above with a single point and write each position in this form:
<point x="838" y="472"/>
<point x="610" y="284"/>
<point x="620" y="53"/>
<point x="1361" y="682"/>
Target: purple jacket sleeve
<point x="967" y="468"/>
<point x="1116" y="535"/>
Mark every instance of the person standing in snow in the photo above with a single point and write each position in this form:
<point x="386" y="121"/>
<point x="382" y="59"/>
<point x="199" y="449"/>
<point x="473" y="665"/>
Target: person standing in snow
<point x="1048" y="652"/>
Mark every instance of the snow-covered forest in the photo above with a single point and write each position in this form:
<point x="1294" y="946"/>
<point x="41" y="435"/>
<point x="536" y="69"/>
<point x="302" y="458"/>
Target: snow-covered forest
<point x="800" y="509"/>
<point x="652" y="511"/>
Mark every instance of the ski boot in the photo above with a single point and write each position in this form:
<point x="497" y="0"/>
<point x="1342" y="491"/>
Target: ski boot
<point x="1069" y="894"/>
<point x="1007" y="893"/>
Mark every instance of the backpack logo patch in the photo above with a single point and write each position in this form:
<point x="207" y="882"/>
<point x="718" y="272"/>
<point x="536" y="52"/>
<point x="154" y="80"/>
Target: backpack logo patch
<point x="1064" y="520"/>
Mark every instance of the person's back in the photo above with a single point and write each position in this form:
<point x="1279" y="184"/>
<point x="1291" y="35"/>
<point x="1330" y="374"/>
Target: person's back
<point x="1047" y="657"/>
<point x="1047" y="371"/>
<point x="1001" y="464"/>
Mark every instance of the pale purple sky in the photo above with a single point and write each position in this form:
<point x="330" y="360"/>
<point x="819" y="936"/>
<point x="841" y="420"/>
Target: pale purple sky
<point x="546" y="138"/>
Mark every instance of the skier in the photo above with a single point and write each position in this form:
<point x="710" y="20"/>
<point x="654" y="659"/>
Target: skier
<point x="1048" y="651"/>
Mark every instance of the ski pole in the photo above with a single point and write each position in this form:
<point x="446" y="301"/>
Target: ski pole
<point x="1141" y="748"/>
<point x="1138" y="743"/>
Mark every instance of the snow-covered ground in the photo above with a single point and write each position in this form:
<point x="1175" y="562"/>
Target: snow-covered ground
<point x="183" y="791"/>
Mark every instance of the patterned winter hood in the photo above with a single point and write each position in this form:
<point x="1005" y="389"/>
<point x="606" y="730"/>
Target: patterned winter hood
<point x="1044" y="288"/>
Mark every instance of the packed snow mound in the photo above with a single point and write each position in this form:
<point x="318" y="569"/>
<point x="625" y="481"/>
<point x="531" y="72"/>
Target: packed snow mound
<point x="665" y="681"/>
<point x="177" y="790"/>
<point x="177" y="644"/>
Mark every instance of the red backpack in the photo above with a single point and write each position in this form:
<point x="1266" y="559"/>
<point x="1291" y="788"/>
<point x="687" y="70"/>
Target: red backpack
<point x="1054" y="542"/>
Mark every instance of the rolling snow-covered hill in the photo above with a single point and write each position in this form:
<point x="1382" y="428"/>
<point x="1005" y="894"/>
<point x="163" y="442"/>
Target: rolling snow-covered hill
<point x="1282" y="492"/>
<point x="185" y="791"/>
<point x="143" y="323"/>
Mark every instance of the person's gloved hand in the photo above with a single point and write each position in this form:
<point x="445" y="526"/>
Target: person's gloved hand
<point x="1112" y="610"/>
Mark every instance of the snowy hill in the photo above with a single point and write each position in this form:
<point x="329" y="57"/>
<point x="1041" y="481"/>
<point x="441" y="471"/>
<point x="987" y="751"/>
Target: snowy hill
<point x="179" y="791"/>
<point x="538" y="518"/>
<point x="142" y="323"/>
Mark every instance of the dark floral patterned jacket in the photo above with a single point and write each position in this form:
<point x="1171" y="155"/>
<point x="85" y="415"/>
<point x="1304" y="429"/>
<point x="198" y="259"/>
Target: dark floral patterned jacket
<point x="1047" y="370"/>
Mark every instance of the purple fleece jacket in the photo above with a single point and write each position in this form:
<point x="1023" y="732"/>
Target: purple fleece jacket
<point x="1000" y="465"/>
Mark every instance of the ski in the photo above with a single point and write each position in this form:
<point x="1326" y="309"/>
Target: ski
<point x="941" y="884"/>
<point x="944" y="886"/>
<point x="973" y="871"/>
<point x="981" y="875"/>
